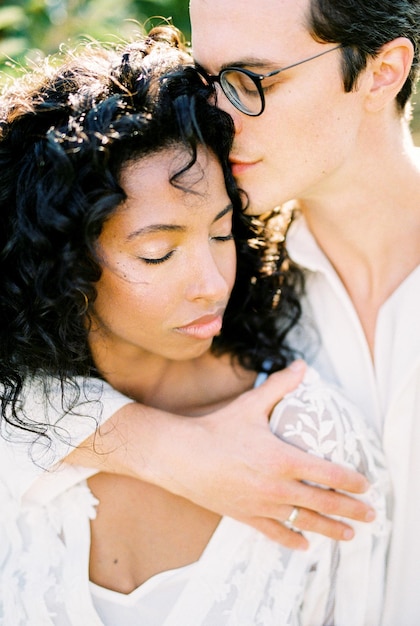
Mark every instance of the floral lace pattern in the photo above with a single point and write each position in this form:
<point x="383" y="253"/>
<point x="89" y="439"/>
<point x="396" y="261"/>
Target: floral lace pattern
<point x="242" y="579"/>
<point x="333" y="583"/>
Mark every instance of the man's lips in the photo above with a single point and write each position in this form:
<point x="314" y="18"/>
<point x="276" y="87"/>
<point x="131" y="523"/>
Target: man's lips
<point x="238" y="167"/>
<point x="205" y="327"/>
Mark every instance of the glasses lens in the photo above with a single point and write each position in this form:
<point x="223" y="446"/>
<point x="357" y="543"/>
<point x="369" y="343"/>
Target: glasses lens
<point x="241" y="90"/>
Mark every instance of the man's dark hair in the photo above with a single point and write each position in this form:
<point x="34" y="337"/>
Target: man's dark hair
<point x="363" y="27"/>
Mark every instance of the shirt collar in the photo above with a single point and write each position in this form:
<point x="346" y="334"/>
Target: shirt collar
<point x="303" y="248"/>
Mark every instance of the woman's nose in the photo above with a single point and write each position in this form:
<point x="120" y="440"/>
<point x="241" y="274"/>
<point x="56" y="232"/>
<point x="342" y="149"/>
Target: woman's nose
<point x="211" y="278"/>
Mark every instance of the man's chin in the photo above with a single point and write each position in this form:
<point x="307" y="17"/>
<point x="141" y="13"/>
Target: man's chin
<point x="259" y="208"/>
<point x="255" y="210"/>
<point x="256" y="206"/>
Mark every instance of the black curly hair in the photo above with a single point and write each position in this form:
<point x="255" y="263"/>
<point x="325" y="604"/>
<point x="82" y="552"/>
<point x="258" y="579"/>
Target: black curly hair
<point x="65" y="135"/>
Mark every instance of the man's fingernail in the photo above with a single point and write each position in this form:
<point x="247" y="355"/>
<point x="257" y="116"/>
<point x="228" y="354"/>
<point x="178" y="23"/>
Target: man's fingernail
<point x="297" y="366"/>
<point x="370" y="515"/>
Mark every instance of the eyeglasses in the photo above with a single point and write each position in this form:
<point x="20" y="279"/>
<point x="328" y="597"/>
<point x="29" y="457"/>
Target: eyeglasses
<point x="243" y="88"/>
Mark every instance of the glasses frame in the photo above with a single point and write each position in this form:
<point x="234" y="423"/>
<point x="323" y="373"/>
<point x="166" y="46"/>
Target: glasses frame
<point x="256" y="79"/>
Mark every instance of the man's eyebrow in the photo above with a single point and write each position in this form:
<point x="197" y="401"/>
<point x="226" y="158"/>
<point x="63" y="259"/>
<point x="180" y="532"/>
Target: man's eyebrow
<point x="247" y="63"/>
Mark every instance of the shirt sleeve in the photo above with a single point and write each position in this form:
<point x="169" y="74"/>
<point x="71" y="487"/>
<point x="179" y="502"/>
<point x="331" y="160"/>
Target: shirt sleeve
<point x="61" y="417"/>
<point x="345" y="584"/>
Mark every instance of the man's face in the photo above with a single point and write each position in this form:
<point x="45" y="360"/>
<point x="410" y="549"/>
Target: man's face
<point x="304" y="143"/>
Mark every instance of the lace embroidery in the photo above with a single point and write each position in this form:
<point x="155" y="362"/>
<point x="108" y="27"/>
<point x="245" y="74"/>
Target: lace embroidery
<point x="263" y="585"/>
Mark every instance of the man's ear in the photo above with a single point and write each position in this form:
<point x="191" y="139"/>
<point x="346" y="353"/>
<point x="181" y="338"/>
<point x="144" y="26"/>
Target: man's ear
<point x="389" y="71"/>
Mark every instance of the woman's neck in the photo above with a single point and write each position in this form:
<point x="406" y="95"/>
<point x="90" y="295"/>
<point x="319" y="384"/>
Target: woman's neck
<point x="191" y="387"/>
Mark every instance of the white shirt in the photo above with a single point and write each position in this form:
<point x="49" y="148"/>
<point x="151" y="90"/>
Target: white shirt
<point x="241" y="579"/>
<point x="388" y="393"/>
<point x="30" y="456"/>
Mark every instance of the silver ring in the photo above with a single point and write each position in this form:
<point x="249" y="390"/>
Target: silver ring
<point x="292" y="517"/>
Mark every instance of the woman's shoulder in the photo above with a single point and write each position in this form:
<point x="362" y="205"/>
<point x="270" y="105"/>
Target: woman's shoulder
<point x="318" y="418"/>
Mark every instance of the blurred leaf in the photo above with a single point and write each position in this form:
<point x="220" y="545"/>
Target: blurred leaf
<point x="12" y="47"/>
<point x="10" y="16"/>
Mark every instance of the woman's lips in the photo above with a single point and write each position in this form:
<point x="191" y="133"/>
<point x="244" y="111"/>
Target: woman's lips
<point x="205" y="327"/>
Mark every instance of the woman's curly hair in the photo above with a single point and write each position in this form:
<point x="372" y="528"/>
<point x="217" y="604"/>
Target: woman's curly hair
<point x="65" y="134"/>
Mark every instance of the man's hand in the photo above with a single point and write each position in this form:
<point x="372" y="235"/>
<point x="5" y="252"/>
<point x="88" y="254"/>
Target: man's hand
<point x="231" y="463"/>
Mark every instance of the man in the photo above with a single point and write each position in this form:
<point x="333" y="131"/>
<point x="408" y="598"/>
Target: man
<point x="330" y="130"/>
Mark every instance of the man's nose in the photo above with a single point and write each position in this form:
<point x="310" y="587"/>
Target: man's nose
<point x="223" y="103"/>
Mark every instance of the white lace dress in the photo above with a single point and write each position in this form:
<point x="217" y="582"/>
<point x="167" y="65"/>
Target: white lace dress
<point x="241" y="579"/>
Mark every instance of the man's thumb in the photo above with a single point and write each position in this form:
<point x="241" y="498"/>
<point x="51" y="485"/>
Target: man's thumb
<point x="281" y="383"/>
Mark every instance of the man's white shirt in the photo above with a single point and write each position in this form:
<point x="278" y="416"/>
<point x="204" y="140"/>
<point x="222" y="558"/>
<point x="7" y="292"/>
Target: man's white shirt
<point x="386" y="390"/>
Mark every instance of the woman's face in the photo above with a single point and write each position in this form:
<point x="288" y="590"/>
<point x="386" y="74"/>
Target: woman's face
<point x="169" y="261"/>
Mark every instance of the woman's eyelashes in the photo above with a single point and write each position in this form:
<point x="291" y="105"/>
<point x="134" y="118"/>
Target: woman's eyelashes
<point x="157" y="259"/>
<point x="222" y="238"/>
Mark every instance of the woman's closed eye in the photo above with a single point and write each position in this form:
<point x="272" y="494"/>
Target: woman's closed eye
<point x="222" y="238"/>
<point x="156" y="260"/>
<point x="221" y="230"/>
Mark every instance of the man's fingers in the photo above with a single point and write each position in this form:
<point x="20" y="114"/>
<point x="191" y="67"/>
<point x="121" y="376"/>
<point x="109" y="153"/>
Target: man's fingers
<point x="306" y="520"/>
<point x="330" y="502"/>
<point x="276" y="531"/>
<point x="324" y="501"/>
<point x="307" y="467"/>
<point x="278" y="385"/>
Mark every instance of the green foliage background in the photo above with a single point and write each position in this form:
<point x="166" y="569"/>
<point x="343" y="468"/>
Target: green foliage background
<point x="30" y="28"/>
<point x="33" y="28"/>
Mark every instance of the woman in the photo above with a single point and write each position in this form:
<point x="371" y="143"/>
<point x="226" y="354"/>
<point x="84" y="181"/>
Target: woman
<point x="126" y="257"/>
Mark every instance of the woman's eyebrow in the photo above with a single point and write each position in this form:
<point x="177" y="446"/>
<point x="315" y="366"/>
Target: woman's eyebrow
<point x="155" y="228"/>
<point x="228" y="208"/>
<point x="169" y="228"/>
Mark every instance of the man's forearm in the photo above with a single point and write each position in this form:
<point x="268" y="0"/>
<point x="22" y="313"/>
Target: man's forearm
<point x="231" y="463"/>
